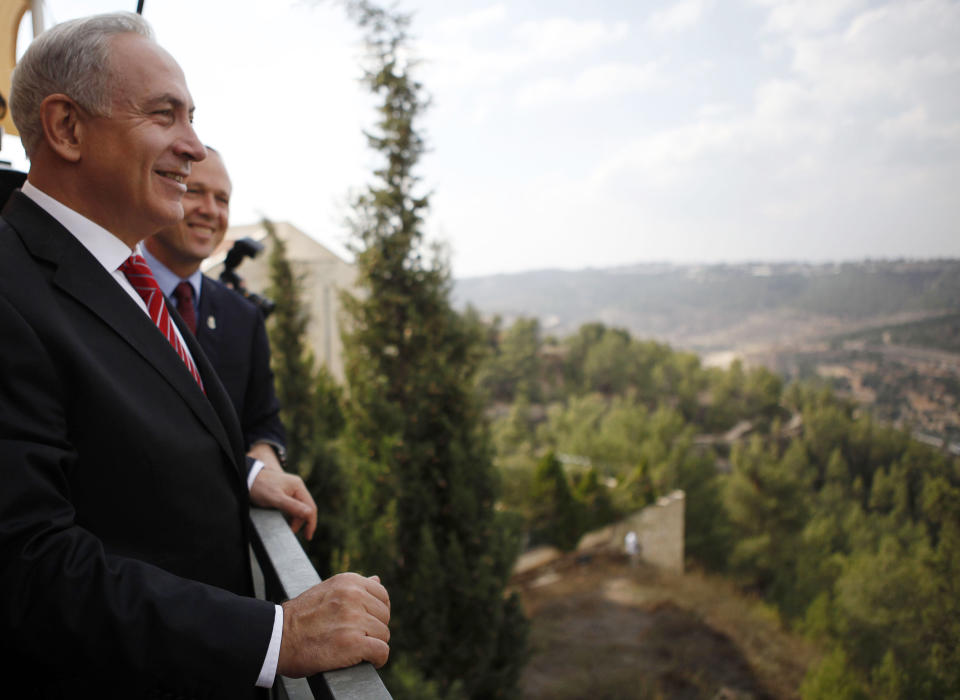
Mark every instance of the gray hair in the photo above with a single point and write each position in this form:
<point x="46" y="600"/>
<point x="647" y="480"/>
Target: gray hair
<point x="72" y="58"/>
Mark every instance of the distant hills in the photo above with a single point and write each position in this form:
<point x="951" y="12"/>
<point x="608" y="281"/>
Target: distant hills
<point x="711" y="308"/>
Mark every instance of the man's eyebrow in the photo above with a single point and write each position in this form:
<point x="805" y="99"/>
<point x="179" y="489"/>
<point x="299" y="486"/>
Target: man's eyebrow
<point x="171" y="100"/>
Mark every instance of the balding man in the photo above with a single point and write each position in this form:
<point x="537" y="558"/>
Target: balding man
<point x="124" y="499"/>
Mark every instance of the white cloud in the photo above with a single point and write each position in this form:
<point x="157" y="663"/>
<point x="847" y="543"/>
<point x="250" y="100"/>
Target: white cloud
<point x="457" y="61"/>
<point x="826" y="137"/>
<point x="911" y="123"/>
<point x="714" y="110"/>
<point x="473" y="21"/>
<point x="597" y="82"/>
<point x="666" y="158"/>
<point x="915" y="124"/>
<point x="679" y="16"/>
<point x="900" y="59"/>
<point x="901" y="51"/>
<point x="564" y="38"/>
<point x="804" y="16"/>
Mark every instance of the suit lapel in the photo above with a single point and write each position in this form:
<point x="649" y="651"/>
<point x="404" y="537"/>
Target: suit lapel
<point x="79" y="274"/>
<point x="208" y="313"/>
<point x="216" y="393"/>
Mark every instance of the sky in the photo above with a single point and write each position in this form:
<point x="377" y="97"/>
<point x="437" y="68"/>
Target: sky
<point x="571" y="134"/>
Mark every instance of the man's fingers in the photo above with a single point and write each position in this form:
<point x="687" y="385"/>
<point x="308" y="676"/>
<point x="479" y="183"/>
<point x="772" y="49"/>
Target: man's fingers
<point x="377" y="629"/>
<point x="296" y="509"/>
<point x="375" y="588"/>
<point x="378" y="610"/>
<point x="376" y="651"/>
<point x="308" y="511"/>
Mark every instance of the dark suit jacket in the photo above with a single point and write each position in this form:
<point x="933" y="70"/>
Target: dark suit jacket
<point x="231" y="332"/>
<point x="123" y="505"/>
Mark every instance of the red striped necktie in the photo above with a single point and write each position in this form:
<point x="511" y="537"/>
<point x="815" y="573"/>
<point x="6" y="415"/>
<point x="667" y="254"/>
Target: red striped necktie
<point x="138" y="274"/>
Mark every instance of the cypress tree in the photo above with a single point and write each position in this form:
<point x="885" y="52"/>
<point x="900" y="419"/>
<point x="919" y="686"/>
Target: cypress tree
<point x="426" y="487"/>
<point x="289" y="353"/>
<point x="309" y="406"/>
<point x="557" y="515"/>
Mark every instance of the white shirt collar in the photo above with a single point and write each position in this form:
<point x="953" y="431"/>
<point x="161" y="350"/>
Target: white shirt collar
<point x="109" y="250"/>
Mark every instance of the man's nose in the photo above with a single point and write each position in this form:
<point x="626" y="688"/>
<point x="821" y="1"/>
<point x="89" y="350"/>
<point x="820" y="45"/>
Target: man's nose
<point x="189" y="145"/>
<point x="208" y="205"/>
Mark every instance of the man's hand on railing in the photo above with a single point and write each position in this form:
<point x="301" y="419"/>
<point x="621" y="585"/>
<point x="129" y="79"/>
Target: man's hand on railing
<point x="288" y="494"/>
<point x="336" y="624"/>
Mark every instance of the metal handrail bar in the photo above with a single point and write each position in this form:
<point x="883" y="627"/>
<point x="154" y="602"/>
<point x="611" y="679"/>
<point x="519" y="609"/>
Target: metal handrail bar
<point x="287" y="573"/>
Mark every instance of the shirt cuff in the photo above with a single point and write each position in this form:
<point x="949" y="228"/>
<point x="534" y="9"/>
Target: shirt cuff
<point x="277" y="448"/>
<point x="254" y="471"/>
<point x="268" y="672"/>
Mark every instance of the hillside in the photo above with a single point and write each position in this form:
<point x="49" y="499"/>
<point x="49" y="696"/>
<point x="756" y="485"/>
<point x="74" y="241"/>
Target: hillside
<point x="845" y="525"/>
<point x="720" y="307"/>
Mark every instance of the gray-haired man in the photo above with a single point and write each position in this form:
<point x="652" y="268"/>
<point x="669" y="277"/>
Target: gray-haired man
<point x="124" y="499"/>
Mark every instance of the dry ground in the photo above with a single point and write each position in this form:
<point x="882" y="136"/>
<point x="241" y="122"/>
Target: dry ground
<point x="603" y="630"/>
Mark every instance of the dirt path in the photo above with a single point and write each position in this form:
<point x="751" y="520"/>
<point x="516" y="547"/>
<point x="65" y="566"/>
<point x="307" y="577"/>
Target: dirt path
<point x="601" y="629"/>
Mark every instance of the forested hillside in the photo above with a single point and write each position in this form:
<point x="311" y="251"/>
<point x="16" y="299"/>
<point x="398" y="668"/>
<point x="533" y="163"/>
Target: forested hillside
<point x="849" y="527"/>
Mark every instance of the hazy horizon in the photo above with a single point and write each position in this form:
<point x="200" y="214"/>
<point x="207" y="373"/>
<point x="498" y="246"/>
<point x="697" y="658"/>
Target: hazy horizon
<point x="720" y="263"/>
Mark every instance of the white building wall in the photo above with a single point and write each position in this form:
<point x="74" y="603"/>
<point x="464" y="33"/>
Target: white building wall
<point x="324" y="276"/>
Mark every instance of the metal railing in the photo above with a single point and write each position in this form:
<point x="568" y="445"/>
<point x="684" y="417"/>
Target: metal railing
<point x="287" y="572"/>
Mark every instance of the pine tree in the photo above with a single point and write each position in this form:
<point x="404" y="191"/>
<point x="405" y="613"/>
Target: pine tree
<point x="426" y="484"/>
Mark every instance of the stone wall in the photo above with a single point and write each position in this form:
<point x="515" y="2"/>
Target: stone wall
<point x="659" y="529"/>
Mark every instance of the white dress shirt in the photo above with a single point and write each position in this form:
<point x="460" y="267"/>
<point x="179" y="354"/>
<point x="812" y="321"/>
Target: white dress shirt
<point x="111" y="252"/>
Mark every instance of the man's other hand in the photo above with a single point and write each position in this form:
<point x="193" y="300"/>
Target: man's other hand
<point x="336" y="624"/>
<point x="288" y="494"/>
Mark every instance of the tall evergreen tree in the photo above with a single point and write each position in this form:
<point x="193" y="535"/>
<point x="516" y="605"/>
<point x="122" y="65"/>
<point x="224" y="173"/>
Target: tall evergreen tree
<point x="426" y="482"/>
<point x="290" y="355"/>
<point x="310" y="405"/>
<point x="557" y="516"/>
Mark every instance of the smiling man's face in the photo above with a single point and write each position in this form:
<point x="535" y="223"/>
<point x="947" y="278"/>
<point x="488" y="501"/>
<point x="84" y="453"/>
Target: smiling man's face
<point x="134" y="161"/>
<point x="206" y="215"/>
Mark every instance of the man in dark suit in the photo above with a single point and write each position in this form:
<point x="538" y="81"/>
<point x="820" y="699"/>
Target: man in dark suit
<point x="124" y="568"/>
<point x="229" y="328"/>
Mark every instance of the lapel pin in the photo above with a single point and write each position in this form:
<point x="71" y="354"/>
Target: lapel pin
<point x="211" y="323"/>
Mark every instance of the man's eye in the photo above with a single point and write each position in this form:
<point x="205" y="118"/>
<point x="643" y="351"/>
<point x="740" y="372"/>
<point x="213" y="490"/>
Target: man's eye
<point x="193" y="190"/>
<point x="224" y="201"/>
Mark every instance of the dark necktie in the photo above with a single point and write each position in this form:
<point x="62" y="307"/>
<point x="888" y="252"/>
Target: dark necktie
<point x="183" y="293"/>
<point x="138" y="273"/>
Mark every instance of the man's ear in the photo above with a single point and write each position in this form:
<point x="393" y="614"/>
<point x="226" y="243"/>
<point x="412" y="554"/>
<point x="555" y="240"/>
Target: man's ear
<point x="62" y="126"/>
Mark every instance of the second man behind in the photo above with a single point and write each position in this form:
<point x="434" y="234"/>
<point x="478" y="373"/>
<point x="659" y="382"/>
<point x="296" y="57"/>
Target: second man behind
<point x="229" y="328"/>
